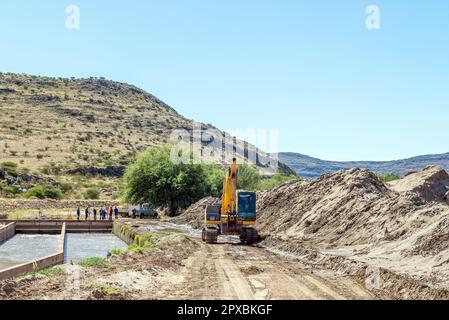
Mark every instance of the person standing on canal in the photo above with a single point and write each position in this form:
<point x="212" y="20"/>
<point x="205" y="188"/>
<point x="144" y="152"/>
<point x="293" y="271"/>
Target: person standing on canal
<point x="95" y="214"/>
<point x="78" y="214"/>
<point x="87" y="213"/>
<point x="116" y="212"/>
<point x="111" y="211"/>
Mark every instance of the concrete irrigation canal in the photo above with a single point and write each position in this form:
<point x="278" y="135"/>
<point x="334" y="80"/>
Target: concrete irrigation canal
<point x="26" y="246"/>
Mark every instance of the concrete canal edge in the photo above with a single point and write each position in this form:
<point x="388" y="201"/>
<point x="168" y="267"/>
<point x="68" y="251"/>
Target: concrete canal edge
<point x="7" y="232"/>
<point x="124" y="232"/>
<point x="45" y="262"/>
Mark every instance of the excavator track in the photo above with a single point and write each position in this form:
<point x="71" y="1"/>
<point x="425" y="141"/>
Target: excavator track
<point x="210" y="235"/>
<point x="249" y="236"/>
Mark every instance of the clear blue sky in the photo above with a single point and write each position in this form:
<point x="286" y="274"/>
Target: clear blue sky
<point x="311" y="69"/>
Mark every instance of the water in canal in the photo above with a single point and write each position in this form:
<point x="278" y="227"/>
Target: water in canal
<point x="86" y="245"/>
<point x="25" y="248"/>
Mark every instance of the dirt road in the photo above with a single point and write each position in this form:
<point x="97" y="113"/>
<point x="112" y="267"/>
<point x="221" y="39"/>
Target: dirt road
<point x="230" y="271"/>
<point x="183" y="267"/>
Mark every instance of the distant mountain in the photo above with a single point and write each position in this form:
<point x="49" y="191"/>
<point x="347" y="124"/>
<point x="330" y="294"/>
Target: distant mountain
<point x="312" y="167"/>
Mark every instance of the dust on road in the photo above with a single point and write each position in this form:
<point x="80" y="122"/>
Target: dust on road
<point x="233" y="272"/>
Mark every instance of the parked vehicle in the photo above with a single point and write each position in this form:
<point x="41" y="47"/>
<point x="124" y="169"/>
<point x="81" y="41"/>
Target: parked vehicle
<point x="142" y="211"/>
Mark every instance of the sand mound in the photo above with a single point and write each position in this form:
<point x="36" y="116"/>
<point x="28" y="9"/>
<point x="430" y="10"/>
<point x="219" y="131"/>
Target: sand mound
<point x="431" y="184"/>
<point x="194" y="215"/>
<point x="401" y="227"/>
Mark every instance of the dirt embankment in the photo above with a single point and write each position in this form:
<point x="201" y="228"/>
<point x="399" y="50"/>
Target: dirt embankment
<point x="400" y="228"/>
<point x="7" y="205"/>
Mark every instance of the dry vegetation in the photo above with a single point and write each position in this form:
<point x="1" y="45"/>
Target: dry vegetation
<point x="65" y="123"/>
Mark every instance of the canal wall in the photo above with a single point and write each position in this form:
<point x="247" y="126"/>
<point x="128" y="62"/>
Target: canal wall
<point x="124" y="232"/>
<point x="131" y="236"/>
<point x="54" y="226"/>
<point x="42" y="263"/>
<point x="7" y="232"/>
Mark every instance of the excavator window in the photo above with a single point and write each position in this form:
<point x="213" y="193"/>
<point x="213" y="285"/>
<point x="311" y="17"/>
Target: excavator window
<point x="246" y="204"/>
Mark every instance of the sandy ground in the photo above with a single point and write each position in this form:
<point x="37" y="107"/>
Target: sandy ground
<point x="351" y="222"/>
<point x="186" y="268"/>
<point x="233" y="272"/>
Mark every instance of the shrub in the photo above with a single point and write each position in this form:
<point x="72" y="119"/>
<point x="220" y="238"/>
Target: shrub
<point x="117" y="252"/>
<point x="92" y="194"/>
<point x="9" y="167"/>
<point x="93" y="262"/>
<point x="387" y="177"/>
<point x="44" y="192"/>
<point x="51" y="272"/>
<point x="65" y="187"/>
<point x="11" y="191"/>
<point x="274" y="181"/>
<point x="107" y="289"/>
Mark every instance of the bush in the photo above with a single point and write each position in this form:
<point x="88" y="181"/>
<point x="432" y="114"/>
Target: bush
<point x="248" y="177"/>
<point x="11" y="191"/>
<point x="44" y="192"/>
<point x="50" y="272"/>
<point x="10" y="168"/>
<point x="65" y="187"/>
<point x="387" y="177"/>
<point x="274" y="181"/>
<point x="51" y="169"/>
<point x="93" y="262"/>
<point x="91" y="194"/>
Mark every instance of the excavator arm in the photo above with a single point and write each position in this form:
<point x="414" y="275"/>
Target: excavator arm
<point x="228" y="199"/>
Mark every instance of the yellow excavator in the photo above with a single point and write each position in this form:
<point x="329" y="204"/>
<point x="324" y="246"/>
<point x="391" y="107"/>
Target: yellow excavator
<point x="233" y="214"/>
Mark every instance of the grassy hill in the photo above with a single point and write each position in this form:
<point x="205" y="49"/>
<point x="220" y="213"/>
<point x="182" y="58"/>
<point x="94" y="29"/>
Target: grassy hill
<point x="58" y="127"/>
<point x="312" y="167"/>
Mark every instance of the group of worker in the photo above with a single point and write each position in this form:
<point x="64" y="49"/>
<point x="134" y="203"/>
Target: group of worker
<point x="103" y="213"/>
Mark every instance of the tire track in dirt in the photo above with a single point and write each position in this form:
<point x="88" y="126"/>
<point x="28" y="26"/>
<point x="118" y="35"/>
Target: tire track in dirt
<point x="219" y="272"/>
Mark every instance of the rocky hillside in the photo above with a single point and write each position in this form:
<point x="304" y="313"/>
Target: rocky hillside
<point x="312" y="167"/>
<point x="55" y="125"/>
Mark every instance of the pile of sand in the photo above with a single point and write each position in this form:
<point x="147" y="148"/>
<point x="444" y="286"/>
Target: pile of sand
<point x="194" y="215"/>
<point x="403" y="226"/>
<point x="431" y="184"/>
<point x="352" y="207"/>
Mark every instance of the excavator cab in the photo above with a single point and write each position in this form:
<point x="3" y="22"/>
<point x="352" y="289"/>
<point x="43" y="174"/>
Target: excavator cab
<point x="246" y="205"/>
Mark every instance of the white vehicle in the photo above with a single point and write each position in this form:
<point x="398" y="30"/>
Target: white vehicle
<point x="145" y="210"/>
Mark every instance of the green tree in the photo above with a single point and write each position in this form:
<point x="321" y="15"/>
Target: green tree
<point x="248" y="177"/>
<point x="215" y="174"/>
<point x="154" y="178"/>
